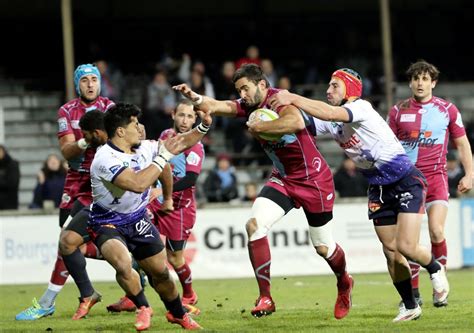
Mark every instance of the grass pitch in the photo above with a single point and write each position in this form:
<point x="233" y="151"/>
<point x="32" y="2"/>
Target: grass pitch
<point x="304" y="304"/>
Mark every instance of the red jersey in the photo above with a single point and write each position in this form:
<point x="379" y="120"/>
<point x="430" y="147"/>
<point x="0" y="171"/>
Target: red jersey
<point x="189" y="160"/>
<point x="78" y="183"/>
<point x="424" y="130"/>
<point x="294" y="156"/>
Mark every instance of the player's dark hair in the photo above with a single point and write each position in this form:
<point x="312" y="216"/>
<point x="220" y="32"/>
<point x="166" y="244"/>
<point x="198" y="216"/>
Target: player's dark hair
<point x="420" y="67"/>
<point x="119" y="116"/>
<point x="92" y="120"/>
<point x="252" y="72"/>
<point x="184" y="101"/>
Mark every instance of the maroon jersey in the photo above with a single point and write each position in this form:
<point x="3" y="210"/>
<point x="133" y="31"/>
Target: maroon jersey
<point x="78" y="184"/>
<point x="294" y="156"/>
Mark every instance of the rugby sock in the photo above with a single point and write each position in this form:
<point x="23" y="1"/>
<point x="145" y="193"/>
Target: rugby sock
<point x="440" y="251"/>
<point x="433" y="266"/>
<point x="337" y="262"/>
<point x="139" y="300"/>
<point x="405" y="291"/>
<point x="415" y="274"/>
<point x="76" y="265"/>
<point x="56" y="283"/>
<point x="175" y="307"/>
<point x="184" y="275"/>
<point x="260" y="257"/>
<point x="92" y="251"/>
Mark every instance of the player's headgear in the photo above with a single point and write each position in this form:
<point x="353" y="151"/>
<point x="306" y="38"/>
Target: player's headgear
<point x="352" y="82"/>
<point x="83" y="70"/>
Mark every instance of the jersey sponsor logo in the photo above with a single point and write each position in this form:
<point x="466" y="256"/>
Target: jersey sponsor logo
<point x="418" y="139"/>
<point x="193" y="159"/>
<point x="330" y="196"/>
<point x="421" y="111"/>
<point x="65" y="198"/>
<point x="354" y="140"/>
<point x="115" y="168"/>
<point x="408" y="118"/>
<point x="142" y="227"/>
<point x="62" y="124"/>
<point x="317" y="163"/>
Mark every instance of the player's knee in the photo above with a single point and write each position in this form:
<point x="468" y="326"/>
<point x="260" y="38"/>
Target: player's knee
<point x="69" y="241"/>
<point x="160" y="277"/>
<point x="322" y="250"/>
<point x="406" y="248"/>
<point x="436" y="234"/>
<point x="322" y="240"/>
<point x="175" y="259"/>
<point x="389" y="253"/>
<point x="251" y="226"/>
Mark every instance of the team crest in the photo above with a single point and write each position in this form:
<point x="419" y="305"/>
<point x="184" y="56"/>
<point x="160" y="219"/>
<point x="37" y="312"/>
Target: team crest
<point x="374" y="206"/>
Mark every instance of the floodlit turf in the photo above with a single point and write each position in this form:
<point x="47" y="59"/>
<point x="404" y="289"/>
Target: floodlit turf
<point x="304" y="304"/>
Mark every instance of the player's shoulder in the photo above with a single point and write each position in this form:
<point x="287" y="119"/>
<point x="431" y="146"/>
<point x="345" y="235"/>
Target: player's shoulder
<point x="403" y="104"/>
<point x="443" y="103"/>
<point x="105" y="103"/>
<point x="72" y="104"/>
<point x="167" y="133"/>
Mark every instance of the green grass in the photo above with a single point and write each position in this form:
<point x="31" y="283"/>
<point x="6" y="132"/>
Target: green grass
<point x="304" y="304"/>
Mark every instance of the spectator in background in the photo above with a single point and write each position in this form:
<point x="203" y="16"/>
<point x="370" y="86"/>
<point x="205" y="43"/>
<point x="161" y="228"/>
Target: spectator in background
<point x="195" y="75"/>
<point x="252" y="57"/>
<point x="349" y="182"/>
<point x="269" y="71"/>
<point x="158" y="104"/>
<point x="455" y="174"/>
<point x="284" y="83"/>
<point x="9" y="180"/>
<point x="221" y="183"/>
<point x="111" y="84"/>
<point x="250" y="192"/>
<point x="50" y="185"/>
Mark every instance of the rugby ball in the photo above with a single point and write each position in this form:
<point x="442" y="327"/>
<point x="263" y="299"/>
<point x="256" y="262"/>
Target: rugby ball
<point x="266" y="115"/>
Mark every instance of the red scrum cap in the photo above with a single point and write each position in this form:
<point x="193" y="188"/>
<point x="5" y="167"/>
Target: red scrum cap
<point x="352" y="82"/>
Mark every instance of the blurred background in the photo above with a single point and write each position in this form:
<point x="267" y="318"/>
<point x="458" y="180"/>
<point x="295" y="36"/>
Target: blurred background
<point x="143" y="44"/>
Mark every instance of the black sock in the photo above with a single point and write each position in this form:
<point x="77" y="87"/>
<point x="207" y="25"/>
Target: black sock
<point x="433" y="266"/>
<point x="139" y="299"/>
<point x="416" y="292"/>
<point x="175" y="307"/>
<point x="405" y="291"/>
<point x="76" y="265"/>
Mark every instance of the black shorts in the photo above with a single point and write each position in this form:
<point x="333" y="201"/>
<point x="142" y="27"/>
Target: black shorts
<point x="141" y="238"/>
<point x="407" y="195"/>
<point x="64" y="212"/>
<point x="79" y="223"/>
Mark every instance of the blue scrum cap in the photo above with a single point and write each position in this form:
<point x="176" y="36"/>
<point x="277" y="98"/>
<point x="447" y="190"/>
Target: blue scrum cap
<point x="83" y="70"/>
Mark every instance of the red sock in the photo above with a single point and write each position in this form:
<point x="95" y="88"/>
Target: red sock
<point x="337" y="262"/>
<point x="415" y="274"/>
<point x="60" y="273"/>
<point x="184" y="275"/>
<point x="92" y="251"/>
<point x="440" y="251"/>
<point x="260" y="257"/>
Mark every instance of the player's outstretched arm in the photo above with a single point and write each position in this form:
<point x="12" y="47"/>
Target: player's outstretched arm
<point x="205" y="103"/>
<point x="290" y="121"/>
<point x="166" y="180"/>
<point x="315" y="108"/>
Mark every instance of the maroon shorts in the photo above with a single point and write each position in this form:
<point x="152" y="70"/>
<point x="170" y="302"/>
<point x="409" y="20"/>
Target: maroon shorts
<point x="176" y="225"/>
<point x="438" y="188"/>
<point x="76" y="187"/>
<point x="315" y="195"/>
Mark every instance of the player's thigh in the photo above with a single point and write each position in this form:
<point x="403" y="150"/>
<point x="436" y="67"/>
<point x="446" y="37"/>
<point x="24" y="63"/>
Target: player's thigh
<point x="75" y="231"/>
<point x="386" y="234"/>
<point x="116" y="253"/>
<point x="437" y="214"/>
<point x="408" y="231"/>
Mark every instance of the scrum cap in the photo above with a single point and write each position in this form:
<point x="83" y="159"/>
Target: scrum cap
<point x="83" y="70"/>
<point x="352" y="82"/>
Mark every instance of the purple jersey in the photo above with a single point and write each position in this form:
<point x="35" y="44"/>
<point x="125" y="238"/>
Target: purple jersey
<point x="189" y="160"/>
<point x="424" y="130"/>
<point x="68" y="121"/>
<point x="294" y="156"/>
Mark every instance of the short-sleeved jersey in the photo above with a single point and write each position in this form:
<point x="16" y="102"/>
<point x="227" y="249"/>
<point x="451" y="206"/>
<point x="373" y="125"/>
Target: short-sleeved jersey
<point x="424" y="130"/>
<point x="111" y="204"/>
<point x="369" y="142"/>
<point x="68" y="123"/>
<point x="294" y="156"/>
<point x="189" y="160"/>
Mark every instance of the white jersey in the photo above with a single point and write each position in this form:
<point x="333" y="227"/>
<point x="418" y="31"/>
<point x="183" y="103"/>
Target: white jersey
<point x="111" y="204"/>
<point x="369" y="142"/>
